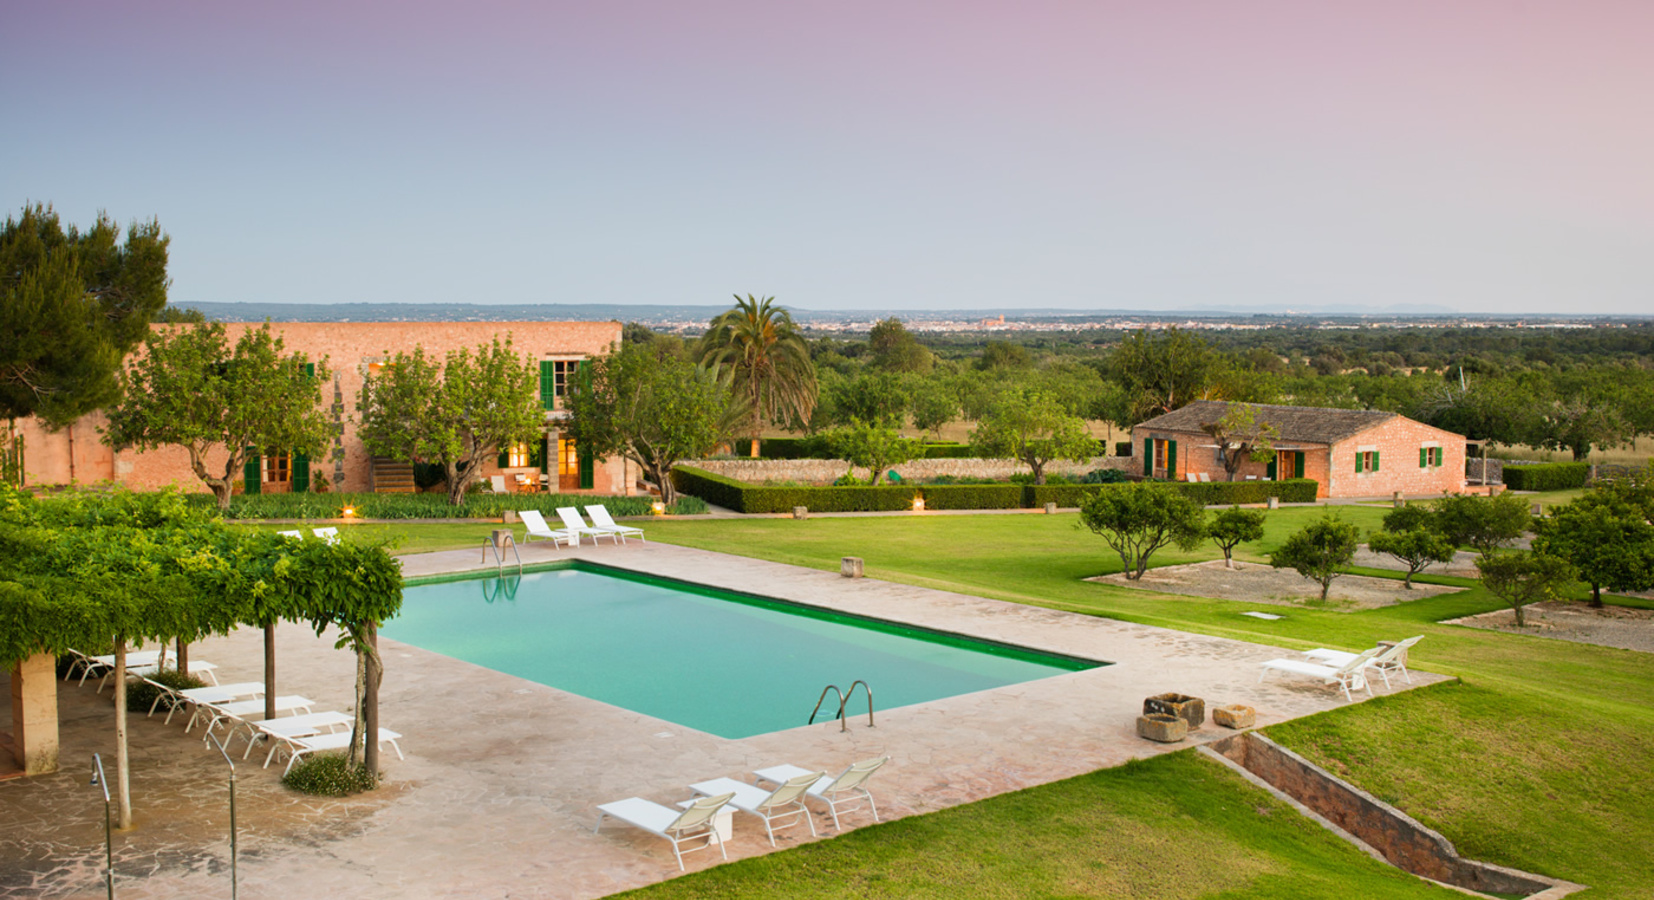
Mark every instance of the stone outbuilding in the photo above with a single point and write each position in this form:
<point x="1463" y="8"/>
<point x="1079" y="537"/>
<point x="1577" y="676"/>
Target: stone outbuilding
<point x="1349" y="452"/>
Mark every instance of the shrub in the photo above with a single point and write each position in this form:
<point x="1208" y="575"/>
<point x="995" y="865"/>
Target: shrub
<point x="973" y="496"/>
<point x="746" y="498"/>
<point x="1547" y="476"/>
<point x="140" y="696"/>
<point x="960" y="479"/>
<point x="1321" y="551"/>
<point x="812" y="447"/>
<point x="414" y="506"/>
<point x="1104" y="476"/>
<point x="329" y="775"/>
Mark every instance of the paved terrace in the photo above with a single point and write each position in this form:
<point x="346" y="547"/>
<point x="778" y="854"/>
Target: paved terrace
<point x="498" y="794"/>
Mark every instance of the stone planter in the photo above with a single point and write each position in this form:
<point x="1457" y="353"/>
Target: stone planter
<point x="850" y="566"/>
<point x="1234" y="716"/>
<point x="1163" y="728"/>
<point x="1190" y="709"/>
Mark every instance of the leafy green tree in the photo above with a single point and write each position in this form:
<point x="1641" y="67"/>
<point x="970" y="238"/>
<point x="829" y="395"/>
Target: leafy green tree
<point x="1410" y="536"/>
<point x="933" y="404"/>
<point x="1321" y="551"/>
<point x="1165" y="371"/>
<point x="1577" y="424"/>
<point x="1232" y="527"/>
<point x="1524" y="577"/>
<point x="1030" y="425"/>
<point x="1485" y="524"/>
<point x="1242" y="435"/>
<point x="1003" y="355"/>
<point x="1139" y="518"/>
<point x="456" y="414"/>
<point x="190" y="389"/>
<point x="759" y="354"/>
<point x="72" y="305"/>
<point x="1607" y="540"/>
<point x="895" y="349"/>
<point x="875" y="446"/>
<point x="874" y="397"/>
<point x="654" y="410"/>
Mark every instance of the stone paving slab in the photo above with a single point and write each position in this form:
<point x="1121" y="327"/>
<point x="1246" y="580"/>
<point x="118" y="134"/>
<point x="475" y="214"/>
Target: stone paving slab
<point x="498" y="794"/>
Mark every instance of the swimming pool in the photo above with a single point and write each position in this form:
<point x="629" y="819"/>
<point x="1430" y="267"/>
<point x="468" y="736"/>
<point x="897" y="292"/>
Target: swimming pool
<point x="729" y="664"/>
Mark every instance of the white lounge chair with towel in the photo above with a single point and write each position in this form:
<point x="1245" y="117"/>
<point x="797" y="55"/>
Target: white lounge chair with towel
<point x="771" y="806"/>
<point x="1348" y="675"/>
<point x="1389" y="659"/>
<point x="537" y="528"/>
<point x="573" y="522"/>
<point x="691" y="824"/>
<point x="846" y="789"/>
<point x="331" y="535"/>
<point x="605" y="522"/>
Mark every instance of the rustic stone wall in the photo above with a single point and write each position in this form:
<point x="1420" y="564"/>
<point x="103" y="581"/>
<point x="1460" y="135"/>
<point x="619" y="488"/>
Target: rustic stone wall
<point x="1475" y="473"/>
<point x="826" y="471"/>
<point x="1398" y="837"/>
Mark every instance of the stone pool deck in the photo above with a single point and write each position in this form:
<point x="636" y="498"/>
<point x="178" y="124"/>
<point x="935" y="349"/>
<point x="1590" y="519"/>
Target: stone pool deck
<point x="498" y="794"/>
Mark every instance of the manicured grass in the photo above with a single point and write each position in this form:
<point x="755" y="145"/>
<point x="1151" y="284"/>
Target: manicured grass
<point x="1169" y="828"/>
<point x="1539" y="761"/>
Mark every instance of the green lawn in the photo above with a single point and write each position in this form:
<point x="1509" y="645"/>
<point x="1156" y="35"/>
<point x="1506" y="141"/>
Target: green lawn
<point x="1539" y="759"/>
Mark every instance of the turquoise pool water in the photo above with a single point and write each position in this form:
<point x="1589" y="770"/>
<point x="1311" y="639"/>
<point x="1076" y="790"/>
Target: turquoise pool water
<point x="728" y="664"/>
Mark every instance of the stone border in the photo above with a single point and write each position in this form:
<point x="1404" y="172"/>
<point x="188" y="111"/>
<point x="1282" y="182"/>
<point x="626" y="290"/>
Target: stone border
<point x="1378" y="828"/>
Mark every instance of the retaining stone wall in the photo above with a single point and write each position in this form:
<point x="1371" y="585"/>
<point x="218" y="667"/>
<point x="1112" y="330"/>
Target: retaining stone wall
<point x="826" y="471"/>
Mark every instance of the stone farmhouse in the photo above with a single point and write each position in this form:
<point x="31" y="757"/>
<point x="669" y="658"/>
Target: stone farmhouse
<point x="354" y="351"/>
<point x="1349" y="452"/>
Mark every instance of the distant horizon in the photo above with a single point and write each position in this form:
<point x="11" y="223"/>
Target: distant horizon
<point x="1486" y="157"/>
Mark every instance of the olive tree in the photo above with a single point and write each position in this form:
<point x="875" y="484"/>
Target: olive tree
<point x="1524" y="577"/>
<point x="1232" y="527"/>
<point x="1608" y="540"/>
<point x="1486" y="524"/>
<point x="1139" y="518"/>
<point x="1031" y="425"/>
<point x="189" y="388"/>
<point x="1410" y="536"/>
<point x="1321" y="551"/>
<point x="455" y="413"/>
<point x="876" y="446"/>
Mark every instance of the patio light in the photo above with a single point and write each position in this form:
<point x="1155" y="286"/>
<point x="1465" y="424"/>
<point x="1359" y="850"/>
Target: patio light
<point x="658" y="508"/>
<point x="350" y="511"/>
<point x="918" y="504"/>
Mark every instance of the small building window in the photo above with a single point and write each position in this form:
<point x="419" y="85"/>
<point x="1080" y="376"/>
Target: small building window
<point x="516" y="456"/>
<point x="568" y="459"/>
<point x="276" y="467"/>
<point x="1430" y="457"/>
<point x="555" y="377"/>
<point x="1366" y="461"/>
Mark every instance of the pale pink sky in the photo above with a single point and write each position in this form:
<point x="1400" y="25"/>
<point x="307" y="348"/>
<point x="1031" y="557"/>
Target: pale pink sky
<point x="1483" y="156"/>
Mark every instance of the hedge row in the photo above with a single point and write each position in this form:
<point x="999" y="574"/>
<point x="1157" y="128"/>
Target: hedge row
<point x="749" y="498"/>
<point x="1546" y="476"/>
<point x="427" y="506"/>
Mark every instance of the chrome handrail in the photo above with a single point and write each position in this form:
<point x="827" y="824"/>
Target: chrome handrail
<point x="823" y="697"/>
<point x="851" y="693"/>
<point x="499" y="554"/>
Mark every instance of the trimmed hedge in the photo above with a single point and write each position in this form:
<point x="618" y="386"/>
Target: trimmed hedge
<point x="748" y="498"/>
<point x="1546" y="476"/>
<point x="425" y="506"/>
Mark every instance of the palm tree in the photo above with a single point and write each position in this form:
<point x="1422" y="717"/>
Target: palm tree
<point x="756" y="351"/>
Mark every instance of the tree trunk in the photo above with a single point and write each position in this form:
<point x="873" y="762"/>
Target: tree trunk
<point x="456" y="485"/>
<point x="270" y="671"/>
<point x="1228" y="558"/>
<point x="1039" y="470"/>
<point x="663" y="478"/>
<point x="1325" y="587"/>
<point x="1596" y="595"/>
<point x="370" y="703"/>
<point x="123" y="769"/>
<point x="1520" y="621"/>
<point x="183" y="657"/>
<point x="222" y="492"/>
<point x="1408" y="581"/>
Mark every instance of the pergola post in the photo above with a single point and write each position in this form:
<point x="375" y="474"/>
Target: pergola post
<point x="34" y="713"/>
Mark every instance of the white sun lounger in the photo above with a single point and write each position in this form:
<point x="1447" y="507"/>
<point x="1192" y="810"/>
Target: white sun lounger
<point x="238" y="711"/>
<point x="307" y="725"/>
<point x="331" y="535"/>
<point x="135" y="659"/>
<point x="605" y="522"/>
<point x="573" y="522"/>
<point x="295" y="535"/>
<point x="497" y="484"/>
<point x="692" y="824"/>
<point x="199" y="698"/>
<point x="786" y="801"/>
<point x="846" y="789"/>
<point x="1389" y="659"/>
<point x="304" y="746"/>
<point x="537" y="528"/>
<point x="1351" y="674"/>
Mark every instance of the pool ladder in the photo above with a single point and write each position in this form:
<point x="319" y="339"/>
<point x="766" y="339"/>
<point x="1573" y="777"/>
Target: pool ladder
<point x="488" y="546"/>
<point x="843" y="700"/>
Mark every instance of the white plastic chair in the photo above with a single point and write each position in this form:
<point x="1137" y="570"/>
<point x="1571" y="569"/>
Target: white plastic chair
<point x="693" y="824"/>
<point x="605" y="522"/>
<point x="1348" y="675"/>
<point x="785" y="802"/>
<point x="537" y="528"/>
<point x="1389" y="659"/>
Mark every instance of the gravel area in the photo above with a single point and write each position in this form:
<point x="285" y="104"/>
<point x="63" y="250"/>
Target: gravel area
<point x="1256" y="583"/>
<point x="1611" y="626"/>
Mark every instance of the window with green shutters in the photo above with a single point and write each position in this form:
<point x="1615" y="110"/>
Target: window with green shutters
<point x="1430" y="456"/>
<point x="250" y="471"/>
<point x="1366" y="461"/>
<point x="1148" y="456"/>
<point x="1171" y="460"/>
<point x="548" y="384"/>
<point x="301" y="473"/>
<point x="1297" y="465"/>
<point x="587" y="474"/>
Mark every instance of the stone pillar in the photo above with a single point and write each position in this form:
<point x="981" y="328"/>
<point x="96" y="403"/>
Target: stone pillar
<point x="1397" y="501"/>
<point x="850" y="567"/>
<point x="1273" y="502"/>
<point x="34" y="713"/>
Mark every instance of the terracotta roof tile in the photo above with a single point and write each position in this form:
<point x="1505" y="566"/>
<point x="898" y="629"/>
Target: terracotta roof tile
<point x="1294" y="423"/>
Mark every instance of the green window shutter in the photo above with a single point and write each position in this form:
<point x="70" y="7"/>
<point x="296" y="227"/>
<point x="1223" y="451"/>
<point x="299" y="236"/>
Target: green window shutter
<point x="1424" y="457"/>
<point x="505" y="456"/>
<point x="1148" y="456"/>
<point x="537" y="453"/>
<point x="301" y="473"/>
<point x="1358" y="457"/>
<point x="1298" y="465"/>
<point x="249" y="471"/>
<point x="1171" y="460"/>
<point x="1375" y="460"/>
<point x="1269" y="470"/>
<point x="548" y="384"/>
<point x="310" y="370"/>
<point x="586" y="479"/>
<point x="1439" y="457"/>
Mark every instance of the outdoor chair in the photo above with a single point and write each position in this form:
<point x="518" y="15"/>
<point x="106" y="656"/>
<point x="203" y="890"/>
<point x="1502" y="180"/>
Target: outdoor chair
<point x="1191" y="477"/>
<point x="237" y="711"/>
<point x="785" y="802"/>
<point x="199" y="698"/>
<point x="331" y="535"/>
<point x="845" y="790"/>
<point x="605" y="522"/>
<point x="277" y="730"/>
<point x="496" y="483"/>
<point x="692" y="824"/>
<point x="299" y="747"/>
<point x="1389" y="659"/>
<point x="573" y="522"/>
<point x="295" y="535"/>
<point x="537" y="528"/>
<point x="1205" y="478"/>
<point x="1348" y="675"/>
